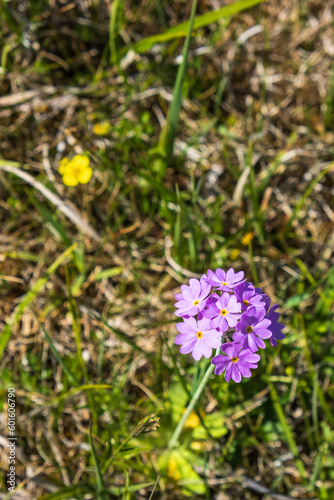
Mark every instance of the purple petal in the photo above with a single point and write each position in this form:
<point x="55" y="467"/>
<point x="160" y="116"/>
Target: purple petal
<point x="260" y="342"/>
<point x="244" y="369"/>
<point x="236" y="375"/>
<point x="203" y="324"/>
<point x="228" y="372"/>
<point x="220" y="360"/>
<point x="221" y="276"/>
<point x="249" y="356"/>
<point x="239" y="337"/>
<point x="187" y="312"/>
<point x="212" y="339"/>
<point x="211" y="312"/>
<point x="184" y="304"/>
<point x="219" y="370"/>
<point x="232" y="319"/>
<point x="231" y="349"/>
<point x="194" y="283"/>
<point x="188" y="347"/>
<point x="206" y="349"/>
<point x="206" y="289"/>
<point x="185" y="328"/>
<point x="252" y="342"/>
<point x="184" y="338"/>
<point x="198" y="350"/>
<point x="191" y="322"/>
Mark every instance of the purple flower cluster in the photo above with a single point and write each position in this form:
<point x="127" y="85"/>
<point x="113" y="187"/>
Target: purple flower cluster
<point x="235" y="309"/>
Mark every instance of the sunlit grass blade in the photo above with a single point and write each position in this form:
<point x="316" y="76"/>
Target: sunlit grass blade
<point x="182" y="29"/>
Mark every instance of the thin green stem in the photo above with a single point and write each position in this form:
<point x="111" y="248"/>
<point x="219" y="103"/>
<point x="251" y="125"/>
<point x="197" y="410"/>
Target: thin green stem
<point x="193" y="401"/>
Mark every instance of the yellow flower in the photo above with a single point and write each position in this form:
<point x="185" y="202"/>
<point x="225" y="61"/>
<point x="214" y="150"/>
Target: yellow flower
<point x="75" y="171"/>
<point x="102" y="128"/>
<point x="247" y="238"/>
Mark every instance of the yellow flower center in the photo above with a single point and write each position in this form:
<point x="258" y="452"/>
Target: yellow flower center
<point x="234" y="360"/>
<point x="224" y="283"/>
<point x="199" y="335"/>
<point x="249" y="329"/>
<point x="195" y="302"/>
<point x="245" y="302"/>
<point x="223" y="312"/>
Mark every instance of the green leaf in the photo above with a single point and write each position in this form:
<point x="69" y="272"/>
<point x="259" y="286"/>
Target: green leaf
<point x="176" y="464"/>
<point x="215" y="425"/>
<point x="178" y="398"/>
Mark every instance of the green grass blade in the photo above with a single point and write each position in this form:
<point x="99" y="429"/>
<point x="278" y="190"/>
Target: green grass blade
<point x="168" y="133"/>
<point x="113" y="30"/>
<point x="108" y="273"/>
<point x="77" y="491"/>
<point x="119" y="490"/>
<point x="182" y="29"/>
<point x="101" y="493"/>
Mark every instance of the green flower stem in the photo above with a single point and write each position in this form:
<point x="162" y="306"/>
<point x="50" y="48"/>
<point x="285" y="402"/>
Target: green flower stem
<point x="193" y="401"/>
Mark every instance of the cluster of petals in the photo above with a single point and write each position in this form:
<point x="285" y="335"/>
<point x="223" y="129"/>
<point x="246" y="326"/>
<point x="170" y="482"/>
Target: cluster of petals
<point x="223" y="310"/>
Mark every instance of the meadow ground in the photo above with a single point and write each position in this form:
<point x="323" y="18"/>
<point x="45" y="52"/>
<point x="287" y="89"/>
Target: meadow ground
<point x="89" y="273"/>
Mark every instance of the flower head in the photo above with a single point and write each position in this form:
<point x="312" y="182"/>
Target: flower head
<point x="197" y="337"/>
<point x="223" y="311"/>
<point x="252" y="328"/>
<point x="192" y="298"/>
<point x="224" y="281"/>
<point x="75" y="171"/>
<point x="236" y="362"/>
<point x="234" y="309"/>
